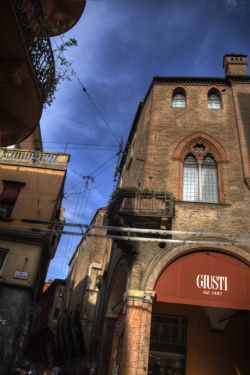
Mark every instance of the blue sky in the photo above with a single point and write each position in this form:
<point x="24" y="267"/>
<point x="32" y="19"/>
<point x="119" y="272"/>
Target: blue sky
<point x="122" y="44"/>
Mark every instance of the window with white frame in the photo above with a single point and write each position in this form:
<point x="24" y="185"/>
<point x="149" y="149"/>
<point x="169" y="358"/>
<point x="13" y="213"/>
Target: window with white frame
<point x="200" y="178"/>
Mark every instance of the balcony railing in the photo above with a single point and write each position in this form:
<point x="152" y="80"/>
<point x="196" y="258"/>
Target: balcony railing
<point x="30" y="16"/>
<point x="34" y="158"/>
<point x="141" y="204"/>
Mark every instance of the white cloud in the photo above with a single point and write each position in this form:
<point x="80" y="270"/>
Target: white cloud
<point x="231" y="3"/>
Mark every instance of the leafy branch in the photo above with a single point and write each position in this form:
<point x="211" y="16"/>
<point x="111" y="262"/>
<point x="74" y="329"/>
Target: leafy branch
<point x="64" y="70"/>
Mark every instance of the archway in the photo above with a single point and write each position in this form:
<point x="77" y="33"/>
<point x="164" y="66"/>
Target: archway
<point x="201" y="316"/>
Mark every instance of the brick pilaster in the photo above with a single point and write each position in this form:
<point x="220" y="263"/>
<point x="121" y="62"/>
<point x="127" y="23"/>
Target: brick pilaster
<point x="134" y="356"/>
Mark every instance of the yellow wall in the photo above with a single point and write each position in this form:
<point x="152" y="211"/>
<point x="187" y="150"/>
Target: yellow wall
<point x="38" y="198"/>
<point x="22" y="257"/>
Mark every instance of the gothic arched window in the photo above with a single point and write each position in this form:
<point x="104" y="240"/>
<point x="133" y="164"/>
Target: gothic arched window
<point x="200" y="179"/>
<point x="201" y="159"/>
<point x="200" y="176"/>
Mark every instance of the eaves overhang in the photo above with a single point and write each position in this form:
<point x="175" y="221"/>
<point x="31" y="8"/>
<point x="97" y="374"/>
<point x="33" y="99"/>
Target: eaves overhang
<point x="200" y="80"/>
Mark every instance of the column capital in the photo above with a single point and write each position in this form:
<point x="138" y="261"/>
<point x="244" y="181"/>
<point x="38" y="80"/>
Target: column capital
<point x="141" y="295"/>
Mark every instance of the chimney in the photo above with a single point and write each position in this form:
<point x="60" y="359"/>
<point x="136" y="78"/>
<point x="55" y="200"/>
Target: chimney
<point x="235" y="64"/>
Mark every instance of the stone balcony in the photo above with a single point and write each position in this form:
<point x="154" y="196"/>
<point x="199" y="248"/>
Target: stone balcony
<point x="35" y="159"/>
<point x="139" y="209"/>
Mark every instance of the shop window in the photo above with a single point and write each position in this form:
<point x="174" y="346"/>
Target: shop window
<point x="3" y="254"/>
<point x="167" y="345"/>
<point x="179" y="98"/>
<point x="8" y="197"/>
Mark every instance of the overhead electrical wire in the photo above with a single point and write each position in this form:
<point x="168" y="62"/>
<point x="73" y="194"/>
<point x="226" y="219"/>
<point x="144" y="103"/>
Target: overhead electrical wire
<point x="79" y="144"/>
<point x="78" y="211"/>
<point x="80" y="149"/>
<point x="93" y="173"/>
<point x="97" y="109"/>
<point x="78" y="122"/>
<point x="164" y="232"/>
<point x="90" y="189"/>
<point x="70" y="239"/>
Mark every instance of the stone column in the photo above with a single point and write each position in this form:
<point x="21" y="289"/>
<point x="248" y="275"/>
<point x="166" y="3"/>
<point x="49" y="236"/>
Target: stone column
<point x="136" y="339"/>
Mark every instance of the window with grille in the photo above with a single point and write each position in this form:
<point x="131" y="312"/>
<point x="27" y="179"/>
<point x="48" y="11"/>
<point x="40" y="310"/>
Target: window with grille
<point x="200" y="179"/>
<point x="167" y="345"/>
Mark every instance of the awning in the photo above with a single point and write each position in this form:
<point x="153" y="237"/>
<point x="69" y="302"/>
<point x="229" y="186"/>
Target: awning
<point x="206" y="279"/>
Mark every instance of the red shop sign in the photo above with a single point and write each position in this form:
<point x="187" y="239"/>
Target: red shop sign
<point x="206" y="279"/>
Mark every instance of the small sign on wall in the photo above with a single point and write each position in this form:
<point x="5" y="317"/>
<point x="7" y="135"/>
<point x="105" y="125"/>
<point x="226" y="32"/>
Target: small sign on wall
<point x="21" y="275"/>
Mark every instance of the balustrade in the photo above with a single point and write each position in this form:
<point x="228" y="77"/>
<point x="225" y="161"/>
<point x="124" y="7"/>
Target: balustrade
<point x="36" y="158"/>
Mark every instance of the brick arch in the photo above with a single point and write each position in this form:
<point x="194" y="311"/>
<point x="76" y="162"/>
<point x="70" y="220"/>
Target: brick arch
<point x="179" y="90"/>
<point x="219" y="150"/>
<point x="171" y="254"/>
<point x="214" y="91"/>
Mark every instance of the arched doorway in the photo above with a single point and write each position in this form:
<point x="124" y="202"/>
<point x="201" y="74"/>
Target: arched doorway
<point x="200" y="320"/>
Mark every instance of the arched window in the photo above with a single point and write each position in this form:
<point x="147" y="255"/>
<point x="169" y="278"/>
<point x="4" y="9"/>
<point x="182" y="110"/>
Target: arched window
<point x="200" y="178"/>
<point x="201" y="159"/>
<point x="214" y="99"/>
<point x="179" y="98"/>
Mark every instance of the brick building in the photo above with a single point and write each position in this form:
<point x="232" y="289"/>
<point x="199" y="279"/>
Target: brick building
<point x="177" y="295"/>
<point x="81" y="304"/>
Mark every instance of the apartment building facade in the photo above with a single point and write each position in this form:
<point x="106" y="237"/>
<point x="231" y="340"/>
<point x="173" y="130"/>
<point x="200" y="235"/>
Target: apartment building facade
<point x="25" y="247"/>
<point x="31" y="181"/>
<point x="78" y="333"/>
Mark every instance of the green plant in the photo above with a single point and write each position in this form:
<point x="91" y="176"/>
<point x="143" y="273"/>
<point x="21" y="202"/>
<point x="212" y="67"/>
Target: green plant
<point x="61" y="68"/>
<point x="63" y="71"/>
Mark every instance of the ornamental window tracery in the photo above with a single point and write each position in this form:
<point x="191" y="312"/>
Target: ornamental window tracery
<point x="200" y="180"/>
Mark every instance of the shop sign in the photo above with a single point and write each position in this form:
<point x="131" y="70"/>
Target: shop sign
<point x="212" y="284"/>
<point x="206" y="279"/>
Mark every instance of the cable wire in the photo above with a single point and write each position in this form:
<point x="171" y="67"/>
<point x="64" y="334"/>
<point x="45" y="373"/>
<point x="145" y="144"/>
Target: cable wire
<point x="78" y="122"/>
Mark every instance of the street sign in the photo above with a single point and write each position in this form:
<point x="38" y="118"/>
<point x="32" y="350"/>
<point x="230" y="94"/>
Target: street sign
<point x="21" y="275"/>
<point x="119" y="326"/>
